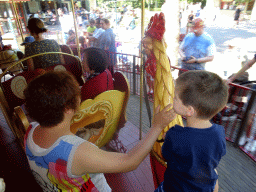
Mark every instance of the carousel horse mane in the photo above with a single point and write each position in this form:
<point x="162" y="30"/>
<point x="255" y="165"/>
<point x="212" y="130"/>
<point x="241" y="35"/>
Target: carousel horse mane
<point x="121" y="83"/>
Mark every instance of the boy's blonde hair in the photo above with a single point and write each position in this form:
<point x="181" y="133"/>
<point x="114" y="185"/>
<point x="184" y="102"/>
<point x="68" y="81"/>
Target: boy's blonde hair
<point x="203" y="90"/>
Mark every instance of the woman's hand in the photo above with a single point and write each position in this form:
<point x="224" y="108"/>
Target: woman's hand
<point x="164" y="117"/>
<point x="191" y="60"/>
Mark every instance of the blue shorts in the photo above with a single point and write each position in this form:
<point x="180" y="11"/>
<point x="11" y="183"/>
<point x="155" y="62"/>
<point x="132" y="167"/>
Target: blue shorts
<point x="161" y="187"/>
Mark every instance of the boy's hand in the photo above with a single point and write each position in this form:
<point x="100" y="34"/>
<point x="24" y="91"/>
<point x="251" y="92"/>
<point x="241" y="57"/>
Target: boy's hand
<point x="163" y="136"/>
<point x="163" y="118"/>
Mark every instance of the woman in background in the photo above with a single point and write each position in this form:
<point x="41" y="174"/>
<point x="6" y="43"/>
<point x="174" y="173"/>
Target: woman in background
<point x="41" y="45"/>
<point x="71" y="38"/>
<point x="107" y="43"/>
<point x="95" y="63"/>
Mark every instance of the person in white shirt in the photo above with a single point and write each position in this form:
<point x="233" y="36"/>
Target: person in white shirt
<point x="94" y="39"/>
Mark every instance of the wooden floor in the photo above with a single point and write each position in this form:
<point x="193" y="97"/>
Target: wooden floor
<point x="139" y="180"/>
<point x="237" y="172"/>
<point x="14" y="166"/>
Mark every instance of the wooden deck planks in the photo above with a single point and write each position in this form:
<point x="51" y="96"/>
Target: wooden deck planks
<point x="140" y="179"/>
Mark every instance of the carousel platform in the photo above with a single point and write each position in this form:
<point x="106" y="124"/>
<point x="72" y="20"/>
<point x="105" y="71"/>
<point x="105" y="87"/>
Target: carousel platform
<point x="237" y="172"/>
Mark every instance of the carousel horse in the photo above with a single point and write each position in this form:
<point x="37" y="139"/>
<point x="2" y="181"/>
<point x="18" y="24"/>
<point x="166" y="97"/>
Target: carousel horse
<point x="158" y="66"/>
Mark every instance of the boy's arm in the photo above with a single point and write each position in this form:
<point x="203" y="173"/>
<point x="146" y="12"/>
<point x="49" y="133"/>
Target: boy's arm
<point x="216" y="188"/>
<point x="181" y="52"/>
<point x="90" y="159"/>
<point x="241" y="71"/>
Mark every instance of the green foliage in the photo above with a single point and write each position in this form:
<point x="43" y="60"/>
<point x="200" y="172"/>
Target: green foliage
<point x="133" y="3"/>
<point x="237" y="2"/>
<point x="99" y="2"/>
<point x="155" y="9"/>
<point x="197" y="1"/>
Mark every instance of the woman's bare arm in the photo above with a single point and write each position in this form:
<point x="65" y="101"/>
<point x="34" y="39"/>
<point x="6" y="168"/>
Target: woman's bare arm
<point x="62" y="61"/>
<point x="30" y="64"/>
<point x="241" y="71"/>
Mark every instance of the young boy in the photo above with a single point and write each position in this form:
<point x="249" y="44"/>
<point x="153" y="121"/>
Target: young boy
<point x="92" y="27"/>
<point x="194" y="152"/>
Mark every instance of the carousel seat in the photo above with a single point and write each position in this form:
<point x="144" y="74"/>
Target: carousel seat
<point x="11" y="91"/>
<point x="14" y="87"/>
<point x="66" y="49"/>
<point x="107" y="107"/>
<point x="75" y="68"/>
<point x="21" y="124"/>
<point x="68" y="59"/>
<point x="121" y="84"/>
<point x="74" y="49"/>
<point x="11" y="95"/>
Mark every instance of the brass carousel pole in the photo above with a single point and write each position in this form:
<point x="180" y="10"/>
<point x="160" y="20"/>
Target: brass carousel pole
<point x="141" y="64"/>
<point x="75" y="24"/>
<point x="18" y="20"/>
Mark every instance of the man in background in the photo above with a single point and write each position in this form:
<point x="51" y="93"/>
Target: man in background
<point x="197" y="48"/>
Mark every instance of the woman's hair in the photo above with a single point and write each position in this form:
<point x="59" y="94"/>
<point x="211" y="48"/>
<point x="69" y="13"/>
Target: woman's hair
<point x="97" y="59"/>
<point x="203" y="90"/>
<point x="36" y="25"/>
<point x="82" y="41"/>
<point x="49" y="95"/>
<point x="71" y="32"/>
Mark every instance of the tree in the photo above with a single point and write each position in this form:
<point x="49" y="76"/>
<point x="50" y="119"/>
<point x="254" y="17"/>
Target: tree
<point x="253" y="15"/>
<point x="93" y="4"/>
<point x="203" y="2"/>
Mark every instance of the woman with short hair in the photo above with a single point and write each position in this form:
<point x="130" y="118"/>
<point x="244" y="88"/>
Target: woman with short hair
<point x="95" y="63"/>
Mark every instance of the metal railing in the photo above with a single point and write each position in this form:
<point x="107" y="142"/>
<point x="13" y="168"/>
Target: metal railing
<point x="130" y="66"/>
<point x="238" y="117"/>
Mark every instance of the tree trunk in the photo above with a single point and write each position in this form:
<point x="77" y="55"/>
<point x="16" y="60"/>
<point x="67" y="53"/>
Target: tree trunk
<point x="171" y="12"/>
<point x="209" y="11"/>
<point x="253" y="15"/>
<point x="92" y="4"/>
